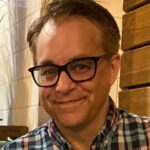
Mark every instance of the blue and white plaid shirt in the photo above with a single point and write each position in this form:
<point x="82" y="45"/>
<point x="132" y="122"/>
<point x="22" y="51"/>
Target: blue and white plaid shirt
<point x="122" y="131"/>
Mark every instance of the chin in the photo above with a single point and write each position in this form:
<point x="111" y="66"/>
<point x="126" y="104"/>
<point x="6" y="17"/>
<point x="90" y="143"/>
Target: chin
<point x="69" y="121"/>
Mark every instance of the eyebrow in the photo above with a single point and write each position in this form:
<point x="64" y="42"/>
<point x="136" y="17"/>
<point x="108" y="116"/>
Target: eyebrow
<point x="50" y="62"/>
<point x="46" y="62"/>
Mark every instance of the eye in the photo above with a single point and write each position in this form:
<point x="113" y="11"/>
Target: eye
<point x="81" y="66"/>
<point x="48" y="71"/>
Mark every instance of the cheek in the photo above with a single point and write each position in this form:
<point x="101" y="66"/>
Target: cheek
<point x="103" y="75"/>
<point x="99" y="86"/>
<point x="44" y="94"/>
<point x="44" y="97"/>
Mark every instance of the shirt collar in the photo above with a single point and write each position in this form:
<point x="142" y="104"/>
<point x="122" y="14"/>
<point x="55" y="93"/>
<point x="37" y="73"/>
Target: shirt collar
<point x="104" y="135"/>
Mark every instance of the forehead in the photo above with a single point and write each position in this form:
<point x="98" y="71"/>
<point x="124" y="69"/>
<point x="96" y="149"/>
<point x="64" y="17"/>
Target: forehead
<point x="68" y="39"/>
<point x="76" y="24"/>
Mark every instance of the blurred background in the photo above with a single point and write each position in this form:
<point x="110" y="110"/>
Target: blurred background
<point x="19" y="102"/>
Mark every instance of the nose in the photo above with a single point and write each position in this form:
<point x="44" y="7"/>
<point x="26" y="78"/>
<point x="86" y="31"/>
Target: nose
<point x="65" y="84"/>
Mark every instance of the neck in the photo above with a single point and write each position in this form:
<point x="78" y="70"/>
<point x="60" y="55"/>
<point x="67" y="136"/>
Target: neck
<point x="82" y="137"/>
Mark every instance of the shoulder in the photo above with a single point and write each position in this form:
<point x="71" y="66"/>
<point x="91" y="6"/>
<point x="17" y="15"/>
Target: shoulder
<point x="133" y="123"/>
<point x="131" y="116"/>
<point x="32" y="139"/>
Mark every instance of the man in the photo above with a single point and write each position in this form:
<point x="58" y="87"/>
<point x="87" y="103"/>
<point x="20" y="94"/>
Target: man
<point x="75" y="51"/>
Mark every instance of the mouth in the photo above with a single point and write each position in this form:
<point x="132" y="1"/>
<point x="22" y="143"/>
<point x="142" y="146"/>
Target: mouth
<point x="70" y="102"/>
<point x="67" y="101"/>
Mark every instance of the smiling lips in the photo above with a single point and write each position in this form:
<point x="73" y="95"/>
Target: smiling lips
<point x="67" y="102"/>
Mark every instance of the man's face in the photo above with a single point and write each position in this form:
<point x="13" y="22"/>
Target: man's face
<point x="74" y="104"/>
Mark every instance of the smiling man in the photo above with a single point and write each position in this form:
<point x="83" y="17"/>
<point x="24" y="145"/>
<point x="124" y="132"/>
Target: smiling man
<point x="75" y="51"/>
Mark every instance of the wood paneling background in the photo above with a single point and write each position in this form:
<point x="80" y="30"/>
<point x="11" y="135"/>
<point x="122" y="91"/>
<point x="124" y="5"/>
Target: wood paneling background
<point x="135" y="65"/>
<point x="136" y="28"/>
<point x="132" y="4"/>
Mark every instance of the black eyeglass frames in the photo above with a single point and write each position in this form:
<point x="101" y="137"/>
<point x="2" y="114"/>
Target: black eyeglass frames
<point x="78" y="70"/>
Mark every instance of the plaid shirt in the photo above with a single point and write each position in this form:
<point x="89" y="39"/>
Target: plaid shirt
<point x="122" y="131"/>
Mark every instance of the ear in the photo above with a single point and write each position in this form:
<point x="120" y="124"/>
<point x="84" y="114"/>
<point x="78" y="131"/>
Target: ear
<point x="115" y="66"/>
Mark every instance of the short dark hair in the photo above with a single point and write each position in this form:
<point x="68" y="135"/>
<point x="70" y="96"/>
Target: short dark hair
<point x="58" y="9"/>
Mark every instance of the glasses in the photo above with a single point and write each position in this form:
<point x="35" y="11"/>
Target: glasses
<point x="78" y="70"/>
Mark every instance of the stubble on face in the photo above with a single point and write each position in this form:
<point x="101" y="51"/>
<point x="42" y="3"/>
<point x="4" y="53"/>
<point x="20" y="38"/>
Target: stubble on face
<point x="85" y="102"/>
